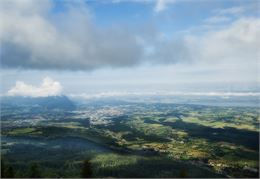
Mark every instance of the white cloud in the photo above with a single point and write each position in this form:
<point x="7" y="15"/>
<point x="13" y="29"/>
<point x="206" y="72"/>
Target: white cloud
<point x="217" y="19"/>
<point x="162" y="4"/>
<point x="232" y="10"/>
<point x="231" y="53"/>
<point x="49" y="87"/>
<point x="159" y="5"/>
<point x="236" y="44"/>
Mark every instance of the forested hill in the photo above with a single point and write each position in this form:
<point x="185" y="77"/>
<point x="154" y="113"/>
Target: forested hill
<point x="50" y="102"/>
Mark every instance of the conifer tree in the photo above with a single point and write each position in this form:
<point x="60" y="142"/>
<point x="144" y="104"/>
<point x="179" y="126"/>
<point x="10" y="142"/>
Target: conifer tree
<point x="34" y="171"/>
<point x="86" y="171"/>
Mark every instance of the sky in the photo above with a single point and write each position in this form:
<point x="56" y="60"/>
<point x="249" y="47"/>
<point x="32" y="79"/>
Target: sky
<point x="51" y="47"/>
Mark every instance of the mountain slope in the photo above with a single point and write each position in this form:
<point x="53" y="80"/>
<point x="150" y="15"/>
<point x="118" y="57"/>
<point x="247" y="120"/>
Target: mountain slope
<point x="50" y="102"/>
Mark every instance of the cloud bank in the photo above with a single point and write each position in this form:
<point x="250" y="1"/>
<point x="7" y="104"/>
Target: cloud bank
<point x="49" y="87"/>
<point x="164" y="93"/>
<point x="33" y="37"/>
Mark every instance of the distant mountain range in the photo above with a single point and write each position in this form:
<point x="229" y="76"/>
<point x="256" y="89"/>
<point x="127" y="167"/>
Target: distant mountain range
<point x="50" y="102"/>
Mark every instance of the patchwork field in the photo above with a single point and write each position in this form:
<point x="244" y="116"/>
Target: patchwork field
<point x="126" y="139"/>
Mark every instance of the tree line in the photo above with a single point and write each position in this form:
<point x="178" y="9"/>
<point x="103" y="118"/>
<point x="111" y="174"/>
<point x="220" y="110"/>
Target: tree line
<point x="34" y="171"/>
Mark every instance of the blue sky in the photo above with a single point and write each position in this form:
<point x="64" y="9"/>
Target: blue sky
<point x="145" y="45"/>
<point x="176" y="16"/>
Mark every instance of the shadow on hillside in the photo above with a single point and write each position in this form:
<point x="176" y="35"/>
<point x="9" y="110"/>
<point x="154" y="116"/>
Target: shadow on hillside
<point x="243" y="137"/>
